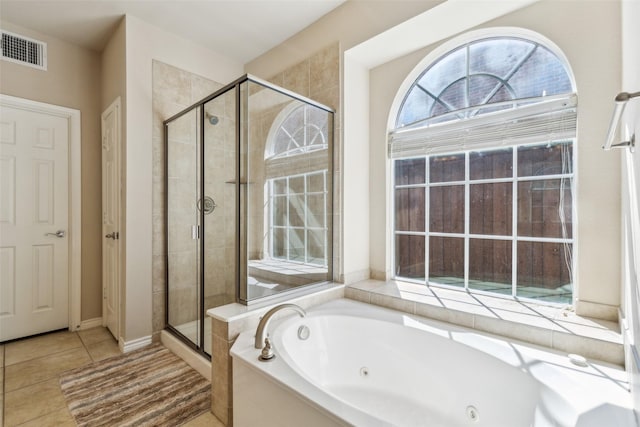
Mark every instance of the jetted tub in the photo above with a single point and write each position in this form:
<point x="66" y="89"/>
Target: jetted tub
<point x="368" y="366"/>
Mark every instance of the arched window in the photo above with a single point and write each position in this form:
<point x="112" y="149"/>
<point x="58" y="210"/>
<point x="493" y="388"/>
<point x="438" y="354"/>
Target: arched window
<point x="302" y="129"/>
<point x="483" y="171"/>
<point x="297" y="169"/>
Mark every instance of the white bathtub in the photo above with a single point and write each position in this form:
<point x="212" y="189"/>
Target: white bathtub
<point x="367" y="366"/>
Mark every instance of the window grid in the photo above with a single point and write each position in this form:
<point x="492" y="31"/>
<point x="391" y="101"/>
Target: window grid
<point x="514" y="238"/>
<point x="306" y="228"/>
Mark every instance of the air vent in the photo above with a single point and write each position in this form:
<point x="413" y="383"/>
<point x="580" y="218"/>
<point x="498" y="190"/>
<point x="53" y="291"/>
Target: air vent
<point x="23" y="50"/>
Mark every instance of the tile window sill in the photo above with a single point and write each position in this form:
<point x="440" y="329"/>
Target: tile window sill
<point x="557" y="328"/>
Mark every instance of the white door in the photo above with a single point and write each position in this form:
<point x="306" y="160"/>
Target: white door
<point x="34" y="221"/>
<point x="111" y="217"/>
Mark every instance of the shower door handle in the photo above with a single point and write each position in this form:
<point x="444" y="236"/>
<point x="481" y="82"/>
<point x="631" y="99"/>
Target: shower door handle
<point x="195" y="232"/>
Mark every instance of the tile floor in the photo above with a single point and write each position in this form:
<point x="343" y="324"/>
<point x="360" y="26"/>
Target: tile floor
<point x="30" y="393"/>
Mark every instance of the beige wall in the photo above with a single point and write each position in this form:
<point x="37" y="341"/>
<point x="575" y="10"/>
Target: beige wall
<point x="72" y="80"/>
<point x="350" y="24"/>
<point x="144" y="43"/>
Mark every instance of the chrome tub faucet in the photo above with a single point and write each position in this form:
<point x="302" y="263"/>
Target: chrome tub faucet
<point x="262" y="334"/>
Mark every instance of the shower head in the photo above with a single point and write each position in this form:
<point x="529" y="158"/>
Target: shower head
<point x="212" y="119"/>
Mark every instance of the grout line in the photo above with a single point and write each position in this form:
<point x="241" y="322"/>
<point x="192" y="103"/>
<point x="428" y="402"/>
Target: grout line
<point x="84" y="345"/>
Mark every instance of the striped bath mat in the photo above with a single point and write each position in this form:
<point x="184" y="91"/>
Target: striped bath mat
<point x="146" y="387"/>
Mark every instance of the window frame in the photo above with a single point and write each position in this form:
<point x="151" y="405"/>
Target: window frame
<point x="514" y="238"/>
<point x="306" y="228"/>
<point x="463" y="41"/>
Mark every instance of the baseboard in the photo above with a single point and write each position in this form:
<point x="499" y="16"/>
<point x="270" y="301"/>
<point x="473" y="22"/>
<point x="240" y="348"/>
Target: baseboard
<point x="90" y="323"/>
<point x="127" y="346"/>
<point x="193" y="359"/>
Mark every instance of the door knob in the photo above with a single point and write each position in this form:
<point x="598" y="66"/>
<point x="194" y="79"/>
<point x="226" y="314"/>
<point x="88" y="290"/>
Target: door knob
<point x="59" y="233"/>
<point x="115" y="235"/>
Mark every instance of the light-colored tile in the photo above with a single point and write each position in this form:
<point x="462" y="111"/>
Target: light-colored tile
<point x="589" y="348"/>
<point x="325" y="69"/>
<point x="95" y="335"/>
<point x="103" y="349"/>
<point x="296" y="78"/>
<point x="33" y="401"/>
<point x="43" y="368"/>
<point x="205" y="420"/>
<point x="32" y="348"/>
<point x="393" y="303"/>
<point x="221" y="391"/>
<point x="523" y="332"/>
<point x="445" y="314"/>
<point x="59" y="418"/>
<point x="358" y="295"/>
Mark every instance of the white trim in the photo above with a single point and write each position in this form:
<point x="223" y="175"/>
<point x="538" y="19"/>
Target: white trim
<point x="193" y="359"/>
<point x="75" y="195"/>
<point x="127" y="346"/>
<point x="90" y="323"/>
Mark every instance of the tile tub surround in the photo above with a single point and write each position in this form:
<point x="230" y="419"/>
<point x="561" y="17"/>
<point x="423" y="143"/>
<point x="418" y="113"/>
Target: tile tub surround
<point x="229" y="321"/>
<point x="558" y="328"/>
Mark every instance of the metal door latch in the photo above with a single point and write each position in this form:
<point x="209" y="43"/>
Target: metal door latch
<point x="59" y="234"/>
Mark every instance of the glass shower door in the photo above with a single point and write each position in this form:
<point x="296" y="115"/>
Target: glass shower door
<point x="220" y="242"/>
<point x="183" y="226"/>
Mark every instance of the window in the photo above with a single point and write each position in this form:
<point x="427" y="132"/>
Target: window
<point x="304" y="130"/>
<point x="297" y="167"/>
<point x="297" y="227"/>
<point x="483" y="172"/>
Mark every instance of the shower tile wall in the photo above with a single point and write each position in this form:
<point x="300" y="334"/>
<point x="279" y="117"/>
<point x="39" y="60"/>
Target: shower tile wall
<point x="173" y="91"/>
<point x="220" y="225"/>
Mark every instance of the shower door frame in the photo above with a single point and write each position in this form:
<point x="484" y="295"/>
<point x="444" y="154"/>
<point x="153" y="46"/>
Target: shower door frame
<point x="241" y="243"/>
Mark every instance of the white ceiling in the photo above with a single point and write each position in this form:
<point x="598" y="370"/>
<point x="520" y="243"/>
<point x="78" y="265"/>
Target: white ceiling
<point x="238" y="29"/>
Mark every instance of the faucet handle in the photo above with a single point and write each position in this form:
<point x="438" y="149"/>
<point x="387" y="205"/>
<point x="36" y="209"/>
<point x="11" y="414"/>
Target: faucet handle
<point x="267" y="352"/>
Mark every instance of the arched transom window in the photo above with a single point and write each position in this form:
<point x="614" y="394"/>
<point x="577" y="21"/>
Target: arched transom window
<point x="482" y="74"/>
<point x="304" y="129"/>
<point x="483" y="158"/>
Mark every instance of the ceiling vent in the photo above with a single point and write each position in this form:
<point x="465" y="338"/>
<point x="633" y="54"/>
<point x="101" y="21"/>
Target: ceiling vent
<point x="23" y="50"/>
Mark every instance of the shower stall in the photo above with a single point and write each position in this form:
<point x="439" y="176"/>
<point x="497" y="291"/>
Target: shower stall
<point x="248" y="201"/>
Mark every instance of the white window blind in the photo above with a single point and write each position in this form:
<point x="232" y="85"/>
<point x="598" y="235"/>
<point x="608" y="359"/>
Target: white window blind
<point x="549" y="118"/>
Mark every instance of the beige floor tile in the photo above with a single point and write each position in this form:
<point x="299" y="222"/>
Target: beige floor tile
<point x="43" y="368"/>
<point x="95" y="335"/>
<point x="103" y="349"/>
<point x="32" y="348"/>
<point x="59" y="418"/>
<point x="33" y="401"/>
<point x="205" y="420"/>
